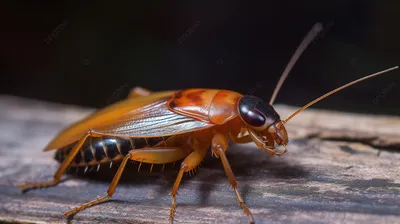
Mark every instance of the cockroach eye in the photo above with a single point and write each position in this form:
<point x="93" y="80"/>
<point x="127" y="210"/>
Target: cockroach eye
<point x="256" y="113"/>
<point x="253" y="118"/>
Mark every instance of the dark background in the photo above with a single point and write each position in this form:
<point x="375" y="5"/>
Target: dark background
<point x="101" y="49"/>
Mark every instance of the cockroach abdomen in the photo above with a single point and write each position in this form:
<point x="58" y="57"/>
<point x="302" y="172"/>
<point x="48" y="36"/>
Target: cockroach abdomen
<point x="78" y="157"/>
<point x="125" y="146"/>
<point x="98" y="147"/>
<point x="111" y="145"/>
<point x="88" y="155"/>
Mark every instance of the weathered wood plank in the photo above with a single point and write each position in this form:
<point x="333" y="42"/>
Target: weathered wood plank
<point x="317" y="181"/>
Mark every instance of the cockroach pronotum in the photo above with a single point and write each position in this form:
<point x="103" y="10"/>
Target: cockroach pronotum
<point x="164" y="127"/>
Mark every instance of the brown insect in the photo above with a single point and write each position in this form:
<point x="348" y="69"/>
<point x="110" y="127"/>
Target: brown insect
<point x="164" y="127"/>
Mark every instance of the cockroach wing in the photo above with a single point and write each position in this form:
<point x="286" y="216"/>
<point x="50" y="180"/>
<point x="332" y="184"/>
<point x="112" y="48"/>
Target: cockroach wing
<point x="153" y="120"/>
<point x="105" y="116"/>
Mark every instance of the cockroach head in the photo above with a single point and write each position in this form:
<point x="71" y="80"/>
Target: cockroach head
<point x="262" y="119"/>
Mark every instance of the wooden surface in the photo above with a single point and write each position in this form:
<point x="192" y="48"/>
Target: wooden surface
<point x="332" y="173"/>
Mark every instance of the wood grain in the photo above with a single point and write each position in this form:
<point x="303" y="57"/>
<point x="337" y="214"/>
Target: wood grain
<point x="331" y="174"/>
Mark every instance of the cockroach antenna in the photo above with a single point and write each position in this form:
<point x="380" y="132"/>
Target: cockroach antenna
<point x="303" y="45"/>
<point x="337" y="90"/>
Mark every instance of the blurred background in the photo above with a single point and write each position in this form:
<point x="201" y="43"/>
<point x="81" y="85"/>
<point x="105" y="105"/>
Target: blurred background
<point x="91" y="53"/>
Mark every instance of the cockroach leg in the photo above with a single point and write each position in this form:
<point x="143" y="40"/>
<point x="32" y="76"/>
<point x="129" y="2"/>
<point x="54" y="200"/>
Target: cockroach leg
<point x="189" y="163"/>
<point x="144" y="155"/>
<point x="151" y="167"/>
<point x="163" y="166"/>
<point x="140" y="165"/>
<point x="158" y="155"/>
<point x="241" y="140"/>
<point x="163" y="141"/>
<point x="86" y="169"/>
<point x="64" y="165"/>
<point x="219" y="146"/>
<point x="147" y="143"/>
<point x="213" y="154"/>
<point x="110" y="190"/>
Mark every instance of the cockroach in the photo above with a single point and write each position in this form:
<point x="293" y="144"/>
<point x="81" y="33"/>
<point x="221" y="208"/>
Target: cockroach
<point x="164" y="127"/>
